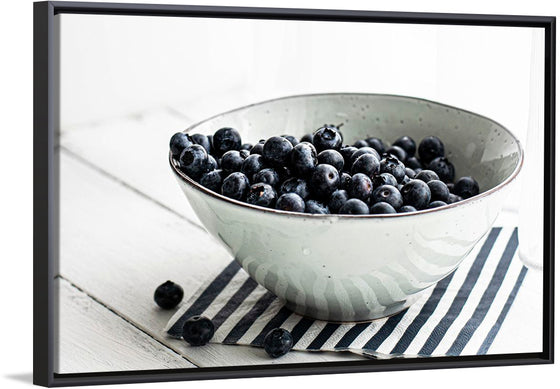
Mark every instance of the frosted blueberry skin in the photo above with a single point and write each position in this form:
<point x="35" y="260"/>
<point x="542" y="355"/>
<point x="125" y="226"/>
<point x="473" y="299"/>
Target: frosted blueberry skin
<point x="426" y="176"/>
<point x="194" y="161"/>
<point x="212" y="180"/>
<point x="235" y="186"/>
<point x="416" y="193"/>
<point x="324" y="180"/>
<point x="327" y="137"/>
<point x="168" y="295"/>
<point x="376" y="144"/>
<point x="388" y="194"/>
<point x="382" y="208"/>
<point x="232" y="161"/>
<point x="307" y="138"/>
<point x="198" y="330"/>
<point x="407" y="144"/>
<point x="430" y="148"/>
<point x="262" y="194"/>
<point x="290" y="202"/>
<point x="258" y="148"/>
<point x="435" y="204"/>
<point x="443" y="168"/>
<point x="346" y="152"/>
<point x="268" y="176"/>
<point x="297" y="186"/>
<point x="360" y="187"/>
<point x="367" y="164"/>
<point x="397" y="152"/>
<point x="361" y="151"/>
<point x="278" y="342"/>
<point x="466" y="187"/>
<point x="179" y="142"/>
<point x="354" y="207"/>
<point x="253" y="164"/>
<point x="303" y="159"/>
<point x="392" y="166"/>
<point x="407" y="208"/>
<point x="277" y="151"/>
<point x="384" y="179"/>
<point x="226" y="139"/>
<point x="314" y="206"/>
<point x="293" y="140"/>
<point x="202" y="140"/>
<point x="438" y="191"/>
<point x="331" y="157"/>
<point x="338" y="198"/>
<point x="360" y="143"/>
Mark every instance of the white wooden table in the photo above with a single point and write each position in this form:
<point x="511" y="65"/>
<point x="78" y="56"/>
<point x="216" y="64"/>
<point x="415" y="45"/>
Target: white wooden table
<point x="125" y="228"/>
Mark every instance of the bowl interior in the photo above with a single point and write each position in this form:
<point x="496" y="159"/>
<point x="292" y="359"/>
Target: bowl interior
<point x="476" y="145"/>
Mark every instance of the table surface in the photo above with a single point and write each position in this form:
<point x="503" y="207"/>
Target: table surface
<point x="125" y="228"/>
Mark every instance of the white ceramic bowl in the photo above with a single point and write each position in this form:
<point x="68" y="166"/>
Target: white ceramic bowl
<point x="350" y="267"/>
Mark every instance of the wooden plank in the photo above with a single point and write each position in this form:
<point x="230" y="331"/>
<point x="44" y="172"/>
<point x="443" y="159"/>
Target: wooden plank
<point x="134" y="149"/>
<point x="91" y="338"/>
<point x="118" y="246"/>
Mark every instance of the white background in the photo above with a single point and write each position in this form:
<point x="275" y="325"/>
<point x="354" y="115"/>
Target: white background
<point x="17" y="210"/>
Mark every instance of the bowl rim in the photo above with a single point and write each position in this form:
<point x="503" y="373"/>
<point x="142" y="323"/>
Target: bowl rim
<point x="473" y="199"/>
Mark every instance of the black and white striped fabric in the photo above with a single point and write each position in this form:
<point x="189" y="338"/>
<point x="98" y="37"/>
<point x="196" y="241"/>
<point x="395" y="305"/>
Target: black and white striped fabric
<point x="461" y="315"/>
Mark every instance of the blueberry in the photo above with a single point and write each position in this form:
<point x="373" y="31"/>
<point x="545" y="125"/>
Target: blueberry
<point x="426" y="176"/>
<point x="466" y="187"/>
<point x="398" y="152"/>
<point x="345" y="180"/>
<point x="226" y="139"/>
<point x="212" y="163"/>
<point x="262" y="194"/>
<point x="210" y="139"/>
<point x="307" y="138"/>
<point x="388" y="194"/>
<point x="235" y="186"/>
<point x="430" y="148"/>
<point x="443" y="168"/>
<point x="244" y="153"/>
<point x="198" y="330"/>
<point x="277" y="150"/>
<point x="314" y="206"/>
<point x="416" y="193"/>
<point x="367" y="164"/>
<point x="179" y="142"/>
<point x="393" y="166"/>
<point x="331" y="157"/>
<point x="212" y="180"/>
<point x="293" y="140"/>
<point x="407" y="208"/>
<point x="360" y="143"/>
<point x="360" y="187"/>
<point x="409" y="172"/>
<point x="267" y="176"/>
<point x="450" y="186"/>
<point x="295" y="185"/>
<point x="290" y="202"/>
<point x="361" y="151"/>
<point x="253" y="164"/>
<point x="246" y="146"/>
<point x="202" y="140"/>
<point x="303" y="159"/>
<point x="324" y="180"/>
<point x="435" y="204"/>
<point x="381" y="208"/>
<point x="384" y="179"/>
<point x="168" y="295"/>
<point x="284" y="173"/>
<point x="231" y="161"/>
<point x="413" y="163"/>
<point x="338" y="198"/>
<point x="377" y="144"/>
<point x="453" y="198"/>
<point x="278" y="342"/>
<point x="194" y="161"/>
<point x="346" y="152"/>
<point x="438" y="191"/>
<point x="407" y="144"/>
<point x="354" y="207"/>
<point x="327" y="137"/>
<point x="258" y="148"/>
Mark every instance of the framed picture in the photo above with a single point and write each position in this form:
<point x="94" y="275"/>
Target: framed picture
<point x="242" y="192"/>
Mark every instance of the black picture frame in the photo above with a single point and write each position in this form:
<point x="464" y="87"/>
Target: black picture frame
<point x="45" y="195"/>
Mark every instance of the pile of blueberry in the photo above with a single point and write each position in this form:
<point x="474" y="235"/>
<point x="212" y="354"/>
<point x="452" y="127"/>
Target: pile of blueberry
<point x="319" y="174"/>
<point x="199" y="330"/>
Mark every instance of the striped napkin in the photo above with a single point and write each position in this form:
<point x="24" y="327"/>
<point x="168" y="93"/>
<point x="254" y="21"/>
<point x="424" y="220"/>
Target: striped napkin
<point x="460" y="315"/>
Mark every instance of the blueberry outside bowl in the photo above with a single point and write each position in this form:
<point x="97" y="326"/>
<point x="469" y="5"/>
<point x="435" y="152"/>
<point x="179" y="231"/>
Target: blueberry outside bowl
<point x="359" y="267"/>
